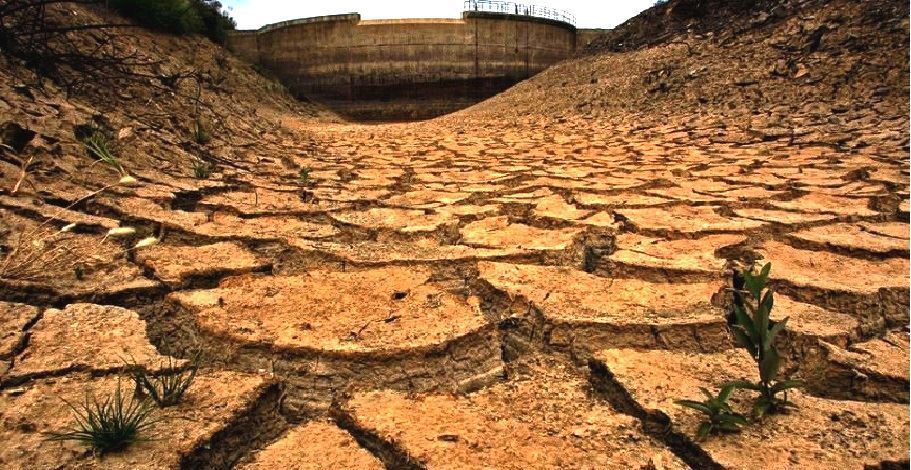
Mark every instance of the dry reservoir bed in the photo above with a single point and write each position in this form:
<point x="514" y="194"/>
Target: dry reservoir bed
<point x="527" y="284"/>
<point x="473" y="313"/>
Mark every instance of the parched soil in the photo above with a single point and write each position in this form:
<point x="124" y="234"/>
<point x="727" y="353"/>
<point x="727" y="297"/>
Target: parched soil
<point x="185" y="435"/>
<point x="528" y="283"/>
<point x="822" y="433"/>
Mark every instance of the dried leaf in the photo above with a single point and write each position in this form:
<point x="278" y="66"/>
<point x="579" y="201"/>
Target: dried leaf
<point x="125" y="133"/>
<point x="121" y="231"/>
<point x="128" y="180"/>
<point x="148" y="241"/>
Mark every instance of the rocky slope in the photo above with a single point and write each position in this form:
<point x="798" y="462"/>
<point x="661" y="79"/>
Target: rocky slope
<point x="800" y="73"/>
<point x="150" y="113"/>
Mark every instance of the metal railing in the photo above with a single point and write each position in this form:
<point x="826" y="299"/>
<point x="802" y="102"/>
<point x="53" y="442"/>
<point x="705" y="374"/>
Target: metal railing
<point x="511" y="8"/>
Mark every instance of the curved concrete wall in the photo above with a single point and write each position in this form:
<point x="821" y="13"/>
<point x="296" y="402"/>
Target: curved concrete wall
<point x="412" y="68"/>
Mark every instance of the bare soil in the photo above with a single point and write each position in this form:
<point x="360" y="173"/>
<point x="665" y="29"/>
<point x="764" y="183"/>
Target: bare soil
<point x="527" y="283"/>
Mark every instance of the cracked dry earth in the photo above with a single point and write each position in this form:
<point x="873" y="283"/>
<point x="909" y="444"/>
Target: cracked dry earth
<point x="501" y="288"/>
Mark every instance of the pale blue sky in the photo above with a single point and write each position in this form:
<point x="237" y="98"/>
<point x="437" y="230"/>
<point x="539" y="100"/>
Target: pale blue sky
<point x="251" y="14"/>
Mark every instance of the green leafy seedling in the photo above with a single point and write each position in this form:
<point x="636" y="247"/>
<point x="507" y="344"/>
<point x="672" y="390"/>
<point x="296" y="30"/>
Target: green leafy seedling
<point x="720" y="416"/>
<point x="756" y="332"/>
<point x="110" y="425"/>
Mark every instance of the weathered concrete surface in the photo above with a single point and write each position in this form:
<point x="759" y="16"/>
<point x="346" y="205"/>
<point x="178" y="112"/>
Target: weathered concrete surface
<point x="427" y="67"/>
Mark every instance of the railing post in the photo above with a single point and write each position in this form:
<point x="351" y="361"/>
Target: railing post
<point x="506" y="7"/>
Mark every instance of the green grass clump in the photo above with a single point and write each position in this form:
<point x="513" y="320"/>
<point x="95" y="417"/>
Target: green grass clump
<point x="110" y="425"/>
<point x="201" y="169"/>
<point x="168" y="388"/>
<point x="756" y="332"/>
<point x="303" y="176"/>
<point x="720" y="416"/>
<point x="201" y="134"/>
<point x="97" y="145"/>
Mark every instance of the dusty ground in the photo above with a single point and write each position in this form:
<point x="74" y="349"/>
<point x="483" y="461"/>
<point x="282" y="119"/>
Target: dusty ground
<point x="528" y="283"/>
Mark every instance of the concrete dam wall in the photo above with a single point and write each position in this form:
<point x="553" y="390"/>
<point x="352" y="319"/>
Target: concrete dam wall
<point x="409" y="68"/>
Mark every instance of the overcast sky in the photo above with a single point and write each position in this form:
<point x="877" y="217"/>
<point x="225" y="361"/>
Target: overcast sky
<point x="251" y="14"/>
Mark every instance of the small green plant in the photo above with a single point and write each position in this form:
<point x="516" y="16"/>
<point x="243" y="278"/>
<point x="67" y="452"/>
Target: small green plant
<point x="303" y="176"/>
<point x="720" y="416"/>
<point x="201" y="134"/>
<point x="111" y="425"/>
<point x="97" y="145"/>
<point x="756" y="332"/>
<point x="167" y="388"/>
<point x="202" y="169"/>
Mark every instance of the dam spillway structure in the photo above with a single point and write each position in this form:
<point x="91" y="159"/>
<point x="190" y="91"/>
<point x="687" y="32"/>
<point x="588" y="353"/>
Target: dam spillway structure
<point x="406" y="69"/>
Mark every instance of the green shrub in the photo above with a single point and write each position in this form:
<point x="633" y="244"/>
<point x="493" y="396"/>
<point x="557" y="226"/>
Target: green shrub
<point x="756" y="332"/>
<point x="720" y="416"/>
<point x="111" y="425"/>
<point x="179" y="16"/>
<point x="215" y="21"/>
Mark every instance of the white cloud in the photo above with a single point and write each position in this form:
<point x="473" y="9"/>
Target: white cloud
<point x="251" y="14"/>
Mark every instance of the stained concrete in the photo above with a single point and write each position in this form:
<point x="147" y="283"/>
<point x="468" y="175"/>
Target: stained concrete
<point x="407" y="68"/>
